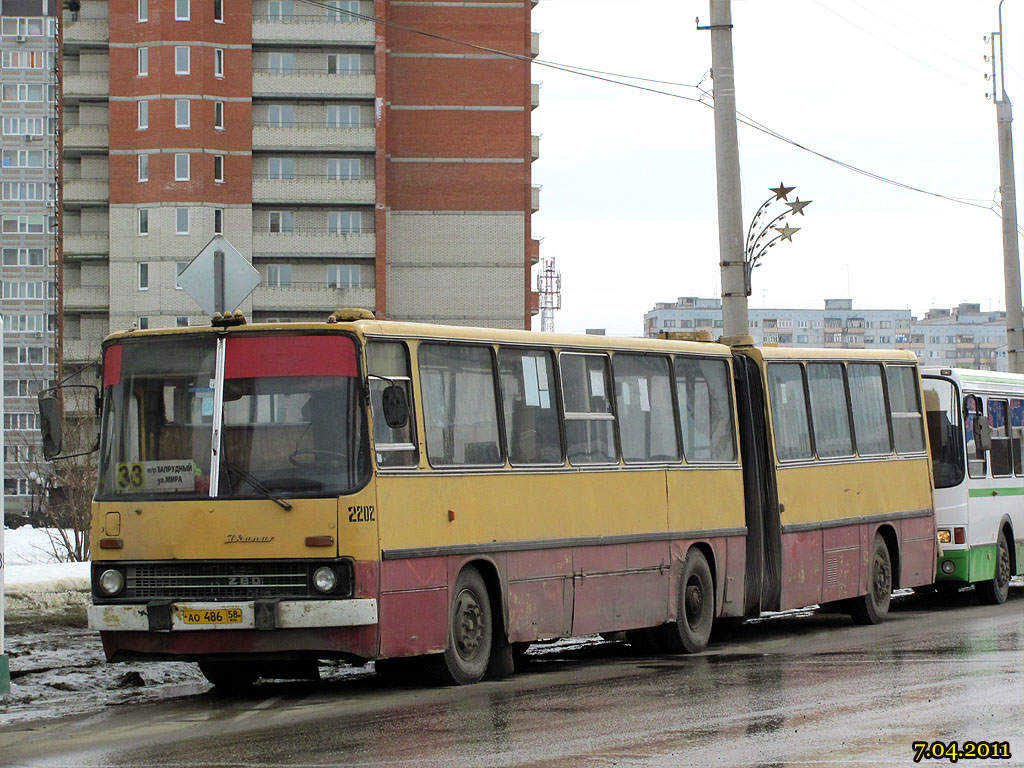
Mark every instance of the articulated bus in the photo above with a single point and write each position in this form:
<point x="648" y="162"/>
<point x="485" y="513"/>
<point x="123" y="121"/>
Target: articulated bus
<point x="976" y="431"/>
<point x="274" y="495"/>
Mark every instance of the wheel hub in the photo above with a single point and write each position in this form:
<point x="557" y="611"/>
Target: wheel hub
<point x="468" y="625"/>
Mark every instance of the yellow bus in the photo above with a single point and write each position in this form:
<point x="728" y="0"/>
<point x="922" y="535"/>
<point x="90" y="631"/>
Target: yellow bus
<point x="272" y="495"/>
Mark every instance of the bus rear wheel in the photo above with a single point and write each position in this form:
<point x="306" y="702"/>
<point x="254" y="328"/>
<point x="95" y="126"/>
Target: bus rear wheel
<point x="470" y="633"/>
<point x="873" y="607"/>
<point x="695" y="607"/>
<point x="995" y="590"/>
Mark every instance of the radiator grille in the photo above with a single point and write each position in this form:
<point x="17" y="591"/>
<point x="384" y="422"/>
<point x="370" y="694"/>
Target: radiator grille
<point x="217" y="581"/>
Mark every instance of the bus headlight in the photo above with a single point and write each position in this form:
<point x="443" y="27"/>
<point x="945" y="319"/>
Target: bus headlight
<point x="944" y="536"/>
<point x="325" y="579"/>
<point x="948" y="566"/>
<point x="110" y="582"/>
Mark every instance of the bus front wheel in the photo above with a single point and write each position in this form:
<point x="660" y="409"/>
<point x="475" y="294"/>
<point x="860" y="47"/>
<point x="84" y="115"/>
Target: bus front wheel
<point x="995" y="590"/>
<point x="695" y="607"/>
<point x="873" y="607"/>
<point x="470" y="632"/>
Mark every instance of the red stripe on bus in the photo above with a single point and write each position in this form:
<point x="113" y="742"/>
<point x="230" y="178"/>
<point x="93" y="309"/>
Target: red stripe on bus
<point x="280" y="356"/>
<point x="112" y="357"/>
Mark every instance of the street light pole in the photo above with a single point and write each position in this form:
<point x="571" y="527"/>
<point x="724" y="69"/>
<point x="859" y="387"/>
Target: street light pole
<point x="1008" y="204"/>
<point x="727" y="164"/>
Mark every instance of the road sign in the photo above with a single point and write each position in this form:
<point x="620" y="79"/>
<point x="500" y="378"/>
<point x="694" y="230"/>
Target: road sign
<point x="219" y="278"/>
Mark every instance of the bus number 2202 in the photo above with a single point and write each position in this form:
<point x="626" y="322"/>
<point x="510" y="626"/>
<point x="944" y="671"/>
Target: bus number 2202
<point x="360" y="514"/>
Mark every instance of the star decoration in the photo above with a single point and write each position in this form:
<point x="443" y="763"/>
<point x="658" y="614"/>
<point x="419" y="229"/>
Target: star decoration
<point x="798" y="207"/>
<point x="787" y="232"/>
<point x="782" y="191"/>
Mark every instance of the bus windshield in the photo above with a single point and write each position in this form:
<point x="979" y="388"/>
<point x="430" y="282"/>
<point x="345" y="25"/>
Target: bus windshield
<point x="944" y="432"/>
<point x="291" y="423"/>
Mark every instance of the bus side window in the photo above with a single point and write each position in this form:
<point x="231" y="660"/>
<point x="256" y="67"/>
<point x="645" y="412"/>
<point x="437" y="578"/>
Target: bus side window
<point x="1000" y="452"/>
<point x="393" y="447"/>
<point x="789" y="411"/>
<point x="976" y="461"/>
<point x="829" y="410"/>
<point x="533" y="431"/>
<point x="643" y="398"/>
<point x="905" y="408"/>
<point x="1017" y="434"/>
<point x="460" y="410"/>
<point x="867" y="398"/>
<point x="589" y="421"/>
<point x="703" y="390"/>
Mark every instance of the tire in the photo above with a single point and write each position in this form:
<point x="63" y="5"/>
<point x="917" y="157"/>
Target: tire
<point x="873" y="607"/>
<point x="995" y="590"/>
<point x="695" y="607"/>
<point x="230" y="675"/>
<point x="470" y="633"/>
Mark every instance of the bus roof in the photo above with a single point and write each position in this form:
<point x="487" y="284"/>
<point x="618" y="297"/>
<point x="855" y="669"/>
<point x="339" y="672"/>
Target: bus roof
<point x="978" y="379"/>
<point x="803" y="353"/>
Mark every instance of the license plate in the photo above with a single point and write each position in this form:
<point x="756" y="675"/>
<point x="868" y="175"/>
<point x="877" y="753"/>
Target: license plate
<point x="212" y="616"/>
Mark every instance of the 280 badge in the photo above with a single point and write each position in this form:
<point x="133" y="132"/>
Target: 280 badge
<point x="954" y="751"/>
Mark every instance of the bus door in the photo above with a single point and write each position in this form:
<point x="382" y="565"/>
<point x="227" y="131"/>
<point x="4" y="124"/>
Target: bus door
<point x="763" y="578"/>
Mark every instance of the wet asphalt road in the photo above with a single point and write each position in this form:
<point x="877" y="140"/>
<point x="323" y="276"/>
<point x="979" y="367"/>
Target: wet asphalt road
<point x="794" y="691"/>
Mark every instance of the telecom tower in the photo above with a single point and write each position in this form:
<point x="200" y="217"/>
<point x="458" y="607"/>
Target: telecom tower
<point x="549" y="286"/>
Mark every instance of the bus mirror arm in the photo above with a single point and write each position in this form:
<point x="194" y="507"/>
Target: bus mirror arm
<point x="394" y="402"/>
<point x="983" y="433"/>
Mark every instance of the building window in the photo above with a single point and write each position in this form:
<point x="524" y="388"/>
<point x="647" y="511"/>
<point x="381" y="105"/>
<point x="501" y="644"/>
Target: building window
<point x="218" y="62"/>
<point x="182" y="113"/>
<point x="280" y="10"/>
<point x="142" y="323"/>
<point x="181" y="321"/>
<point x="218" y="11"/>
<point x="280" y="115"/>
<point x="342" y="222"/>
<point x="343" y="276"/>
<point x="218" y="168"/>
<point x="342" y="10"/>
<point x="143" y="221"/>
<point x="181" y="167"/>
<point x="279" y="275"/>
<point x="282" y="221"/>
<point x="143" y="10"/>
<point x="143" y="115"/>
<point x="181" y="221"/>
<point x="218" y="221"/>
<point x="218" y="115"/>
<point x="343" y="64"/>
<point x="143" y="61"/>
<point x="179" y="267"/>
<point x="344" y="116"/>
<point x="342" y="168"/>
<point x="143" y="275"/>
<point x="181" y="10"/>
<point x="281" y="63"/>
<point x="280" y="168"/>
<point x="143" y="167"/>
<point x="182" y="60"/>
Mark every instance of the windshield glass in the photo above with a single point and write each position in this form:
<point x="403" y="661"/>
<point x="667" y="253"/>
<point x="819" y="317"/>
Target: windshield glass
<point x="292" y="425"/>
<point x="944" y="433"/>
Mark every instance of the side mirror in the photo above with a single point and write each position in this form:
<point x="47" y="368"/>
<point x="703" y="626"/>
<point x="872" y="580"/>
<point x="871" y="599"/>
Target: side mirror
<point x="982" y="434"/>
<point x="50" y="421"/>
<point x="396" y="406"/>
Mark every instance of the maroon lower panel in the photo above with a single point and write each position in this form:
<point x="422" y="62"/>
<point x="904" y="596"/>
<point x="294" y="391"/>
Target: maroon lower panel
<point x="412" y="623"/>
<point x="842" y="574"/>
<point x="917" y="556"/>
<point x="801" y="569"/>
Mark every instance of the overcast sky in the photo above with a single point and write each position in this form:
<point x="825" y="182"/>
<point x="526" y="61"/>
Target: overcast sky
<point x="896" y="87"/>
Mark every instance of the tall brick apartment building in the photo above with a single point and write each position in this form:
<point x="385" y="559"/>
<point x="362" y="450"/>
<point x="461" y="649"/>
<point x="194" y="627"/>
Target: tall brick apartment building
<point x="355" y="163"/>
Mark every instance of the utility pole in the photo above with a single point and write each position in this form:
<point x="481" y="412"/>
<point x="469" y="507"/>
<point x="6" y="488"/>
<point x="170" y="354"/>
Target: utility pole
<point x="1008" y="204"/>
<point x="727" y="164"/>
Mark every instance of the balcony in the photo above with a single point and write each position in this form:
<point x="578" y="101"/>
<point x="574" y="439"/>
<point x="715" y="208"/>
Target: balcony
<point x="534" y="45"/>
<point x="86" y="243"/>
<point x="535" y="146"/>
<point x="88" y="32"/>
<point x="314" y="189"/>
<point x="315" y="29"/>
<point x="312" y="83"/>
<point x="86" y="85"/>
<point x="87" y="191"/>
<point x="81" y="350"/>
<point x="535" y="198"/>
<point x="533" y="250"/>
<point x="86" y="137"/>
<point x="534" y="95"/>
<point x="298" y="136"/>
<point x="312" y="297"/>
<point x="87" y="298"/>
<point x="312" y="242"/>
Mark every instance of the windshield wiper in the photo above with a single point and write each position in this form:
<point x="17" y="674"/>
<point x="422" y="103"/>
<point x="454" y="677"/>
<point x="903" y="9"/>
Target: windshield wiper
<point x="255" y="484"/>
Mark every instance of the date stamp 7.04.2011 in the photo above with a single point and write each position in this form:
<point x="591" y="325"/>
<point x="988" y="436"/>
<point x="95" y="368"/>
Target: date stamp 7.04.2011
<point x="954" y="751"/>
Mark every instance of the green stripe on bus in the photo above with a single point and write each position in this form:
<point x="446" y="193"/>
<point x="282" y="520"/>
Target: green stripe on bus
<point x="986" y="493"/>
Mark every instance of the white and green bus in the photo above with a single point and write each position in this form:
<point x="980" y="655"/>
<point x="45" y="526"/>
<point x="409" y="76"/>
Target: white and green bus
<point x="976" y="434"/>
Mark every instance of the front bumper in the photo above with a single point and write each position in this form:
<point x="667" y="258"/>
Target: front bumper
<point x="255" y="614"/>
